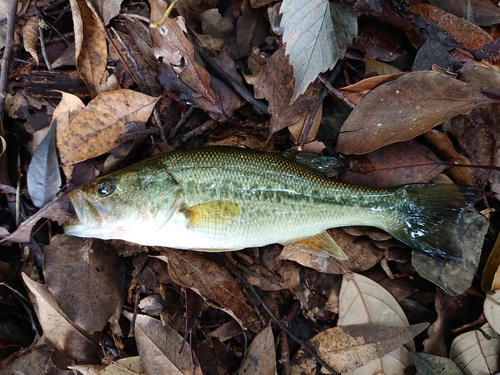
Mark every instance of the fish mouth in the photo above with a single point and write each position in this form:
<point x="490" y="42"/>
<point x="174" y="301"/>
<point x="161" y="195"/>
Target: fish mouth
<point x="88" y="216"/>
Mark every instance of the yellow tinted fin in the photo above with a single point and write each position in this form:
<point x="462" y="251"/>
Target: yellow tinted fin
<point x="212" y="213"/>
<point x="321" y="244"/>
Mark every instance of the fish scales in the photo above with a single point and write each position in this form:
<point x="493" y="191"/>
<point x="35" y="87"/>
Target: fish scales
<point x="222" y="198"/>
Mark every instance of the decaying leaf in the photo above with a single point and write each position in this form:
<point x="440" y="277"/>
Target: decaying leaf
<point x="213" y="283"/>
<point x="97" y="128"/>
<point x="84" y="276"/>
<point x="260" y="357"/>
<point x="178" y="71"/>
<point x="161" y="349"/>
<point x="44" y="178"/>
<point x="405" y="108"/>
<point x="475" y="353"/>
<point x="30" y="37"/>
<point x="428" y="364"/>
<point x="90" y="47"/>
<point x="359" y="90"/>
<point x="317" y="35"/>
<point x="59" y="330"/>
<point x="107" y="9"/>
<point x="348" y="347"/>
<point x="491" y="274"/>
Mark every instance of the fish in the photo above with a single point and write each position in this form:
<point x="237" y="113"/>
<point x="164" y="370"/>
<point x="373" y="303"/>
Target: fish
<point x="228" y="198"/>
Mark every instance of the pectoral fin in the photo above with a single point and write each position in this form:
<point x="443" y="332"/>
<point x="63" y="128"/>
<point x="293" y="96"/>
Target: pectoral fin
<point x="212" y="213"/>
<point x="321" y="244"/>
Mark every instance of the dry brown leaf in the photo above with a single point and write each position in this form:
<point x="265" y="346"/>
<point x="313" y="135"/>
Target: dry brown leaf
<point x="349" y="347"/>
<point x="363" y="301"/>
<point x="84" y="276"/>
<point x="58" y="328"/>
<point x="491" y="310"/>
<point x="260" y="357"/>
<point x="107" y="9"/>
<point x="394" y="165"/>
<point x="213" y="283"/>
<point x="360" y="89"/>
<point x="162" y="349"/>
<point x="30" y="37"/>
<point x="428" y="364"/>
<point x="37" y="357"/>
<point x="178" y="71"/>
<point x="90" y="47"/>
<point x="476" y="354"/>
<point x="97" y="128"/>
<point x="442" y="143"/>
<point x="464" y="32"/>
<point x="123" y="366"/>
<point x="275" y="83"/>
<point x="405" y="108"/>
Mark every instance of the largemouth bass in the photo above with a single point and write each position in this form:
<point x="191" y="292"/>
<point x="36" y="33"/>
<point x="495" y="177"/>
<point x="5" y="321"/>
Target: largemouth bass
<point x="223" y="199"/>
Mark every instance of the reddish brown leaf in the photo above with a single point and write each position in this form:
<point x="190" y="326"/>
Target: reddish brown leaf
<point x="360" y="89"/>
<point x="405" y="108"/>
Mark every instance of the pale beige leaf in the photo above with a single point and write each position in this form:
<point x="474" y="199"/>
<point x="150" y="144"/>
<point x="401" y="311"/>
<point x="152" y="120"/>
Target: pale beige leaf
<point x="260" y="358"/>
<point x="58" y="329"/>
<point x="160" y="348"/>
<point x="363" y="301"/>
<point x="30" y="37"/>
<point x="476" y="354"/>
<point x="98" y="128"/>
<point x="492" y="310"/>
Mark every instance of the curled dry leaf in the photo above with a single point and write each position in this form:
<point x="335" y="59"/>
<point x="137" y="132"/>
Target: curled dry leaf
<point x="213" y="283"/>
<point x="349" y="347"/>
<point x="490" y="279"/>
<point x="97" y="128"/>
<point x="30" y="37"/>
<point x="162" y="349"/>
<point x="359" y="90"/>
<point x="59" y="330"/>
<point x="260" y="357"/>
<point x="475" y="353"/>
<point x="90" y="47"/>
<point x="178" y="71"/>
<point x="492" y="310"/>
<point x="363" y="301"/>
<point x="405" y="108"/>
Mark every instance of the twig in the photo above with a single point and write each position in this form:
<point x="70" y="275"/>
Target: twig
<point x="7" y="55"/>
<point x="181" y="122"/>
<point x="285" y="349"/>
<point x="312" y="115"/>
<point x="306" y="347"/>
<point x="235" y="85"/>
<point x="335" y="92"/>
<point x="42" y="40"/>
<point x="207" y="126"/>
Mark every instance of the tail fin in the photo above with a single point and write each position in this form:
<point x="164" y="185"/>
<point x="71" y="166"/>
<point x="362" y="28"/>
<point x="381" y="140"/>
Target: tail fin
<point x="429" y="218"/>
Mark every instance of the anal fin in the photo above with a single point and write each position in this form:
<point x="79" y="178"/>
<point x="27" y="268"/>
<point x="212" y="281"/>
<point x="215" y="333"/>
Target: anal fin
<point x="321" y="244"/>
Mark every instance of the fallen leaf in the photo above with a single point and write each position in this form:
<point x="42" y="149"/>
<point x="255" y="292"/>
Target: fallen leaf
<point x="428" y="364"/>
<point x="213" y="283"/>
<point x="464" y="32"/>
<point x="30" y="37"/>
<point x="260" y="357"/>
<point x="349" y="347"/>
<point x="178" y="71"/>
<point x="107" y="9"/>
<point x="363" y="301"/>
<point x="36" y="358"/>
<point x="484" y="13"/>
<point x="490" y="279"/>
<point x="492" y="310"/>
<point x="44" y="178"/>
<point x="476" y="354"/>
<point x="456" y="278"/>
<point x="59" y="330"/>
<point x="96" y="129"/>
<point x="161" y="349"/>
<point x="316" y="35"/>
<point x="360" y="89"/>
<point x="85" y="277"/>
<point x="405" y="108"/>
<point x="90" y="47"/>
<point x="275" y="84"/>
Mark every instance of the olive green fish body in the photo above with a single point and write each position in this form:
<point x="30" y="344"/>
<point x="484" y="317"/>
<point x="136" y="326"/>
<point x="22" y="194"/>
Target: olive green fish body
<point x="220" y="199"/>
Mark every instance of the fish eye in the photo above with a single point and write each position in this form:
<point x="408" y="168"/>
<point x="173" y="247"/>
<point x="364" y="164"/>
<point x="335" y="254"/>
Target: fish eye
<point x="104" y="189"/>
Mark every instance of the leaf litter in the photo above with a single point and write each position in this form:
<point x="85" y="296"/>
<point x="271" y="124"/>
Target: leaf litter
<point x="419" y="125"/>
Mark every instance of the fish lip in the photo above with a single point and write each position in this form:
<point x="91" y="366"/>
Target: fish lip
<point x="87" y="216"/>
